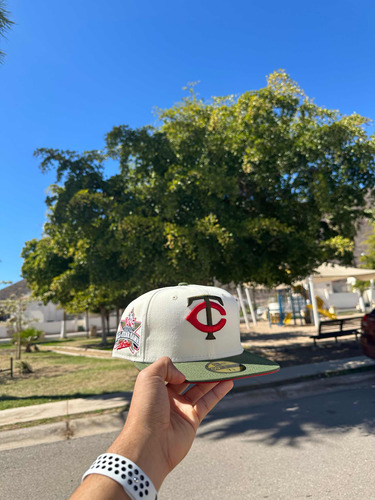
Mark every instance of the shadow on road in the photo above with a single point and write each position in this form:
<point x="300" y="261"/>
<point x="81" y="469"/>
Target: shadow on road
<point x="298" y="354"/>
<point x="294" y="421"/>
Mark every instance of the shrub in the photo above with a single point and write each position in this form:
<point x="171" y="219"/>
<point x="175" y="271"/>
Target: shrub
<point x="27" y="337"/>
<point x="24" y="367"/>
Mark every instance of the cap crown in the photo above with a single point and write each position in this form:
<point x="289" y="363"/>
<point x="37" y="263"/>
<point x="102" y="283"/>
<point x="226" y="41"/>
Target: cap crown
<point x="185" y="323"/>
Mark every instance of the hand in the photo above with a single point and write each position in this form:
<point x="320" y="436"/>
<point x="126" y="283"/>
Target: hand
<point x="162" y="423"/>
<point x="160" y="427"/>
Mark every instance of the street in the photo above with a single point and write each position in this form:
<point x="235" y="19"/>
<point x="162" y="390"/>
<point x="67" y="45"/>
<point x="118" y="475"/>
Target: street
<point x="318" y="445"/>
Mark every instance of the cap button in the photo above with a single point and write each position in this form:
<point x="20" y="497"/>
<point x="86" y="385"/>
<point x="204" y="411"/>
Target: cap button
<point x="183" y="283"/>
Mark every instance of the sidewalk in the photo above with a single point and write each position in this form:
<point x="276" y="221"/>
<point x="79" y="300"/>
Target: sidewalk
<point x="288" y="375"/>
<point x="75" y="418"/>
<point x="68" y="408"/>
<point x="293" y="374"/>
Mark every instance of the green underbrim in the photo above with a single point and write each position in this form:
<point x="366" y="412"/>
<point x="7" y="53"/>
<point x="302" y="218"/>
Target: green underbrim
<point x="241" y="366"/>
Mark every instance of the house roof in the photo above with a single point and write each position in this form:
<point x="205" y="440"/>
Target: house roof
<point x="334" y="272"/>
<point x="19" y="289"/>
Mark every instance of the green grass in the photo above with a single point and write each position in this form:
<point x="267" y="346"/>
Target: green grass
<point x="57" y="377"/>
<point x="6" y="346"/>
<point x="73" y="342"/>
<point x="84" y="342"/>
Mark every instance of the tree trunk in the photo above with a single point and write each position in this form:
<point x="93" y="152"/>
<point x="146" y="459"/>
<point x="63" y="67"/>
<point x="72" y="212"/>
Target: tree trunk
<point x="117" y="316"/>
<point x="87" y="324"/>
<point x="63" y="327"/>
<point x="107" y="318"/>
<point x="18" y="350"/>
<point x="18" y="329"/>
<point x="104" y="331"/>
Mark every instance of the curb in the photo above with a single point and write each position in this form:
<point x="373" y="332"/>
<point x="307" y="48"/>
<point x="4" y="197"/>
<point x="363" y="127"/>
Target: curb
<point x="307" y="372"/>
<point x="67" y="407"/>
<point x="305" y="378"/>
<point x="87" y="425"/>
<point x="80" y="417"/>
<point x="61" y="431"/>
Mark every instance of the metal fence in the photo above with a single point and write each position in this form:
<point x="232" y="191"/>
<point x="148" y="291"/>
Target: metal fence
<point x="281" y="306"/>
<point x="9" y="369"/>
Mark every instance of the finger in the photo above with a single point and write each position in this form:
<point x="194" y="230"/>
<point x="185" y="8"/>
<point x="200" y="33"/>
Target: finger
<point x="194" y="394"/>
<point x="165" y="369"/>
<point x="209" y="400"/>
<point x="178" y="388"/>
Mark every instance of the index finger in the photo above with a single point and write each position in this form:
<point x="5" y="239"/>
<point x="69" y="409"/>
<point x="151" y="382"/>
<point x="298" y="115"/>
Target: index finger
<point x="205" y="404"/>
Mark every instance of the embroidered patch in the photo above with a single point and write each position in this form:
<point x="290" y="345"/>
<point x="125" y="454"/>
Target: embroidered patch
<point x="209" y="328"/>
<point x="129" y="335"/>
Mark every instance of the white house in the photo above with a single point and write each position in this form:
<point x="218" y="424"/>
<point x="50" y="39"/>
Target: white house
<point x="48" y="318"/>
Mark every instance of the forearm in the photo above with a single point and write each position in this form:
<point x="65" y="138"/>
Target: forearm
<point x="140" y="449"/>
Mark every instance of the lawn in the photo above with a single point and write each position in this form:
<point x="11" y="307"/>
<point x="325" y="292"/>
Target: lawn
<point x="94" y="343"/>
<point x="57" y="376"/>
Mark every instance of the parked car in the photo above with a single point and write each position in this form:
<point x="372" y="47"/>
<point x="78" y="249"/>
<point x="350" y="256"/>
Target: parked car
<point x="368" y="334"/>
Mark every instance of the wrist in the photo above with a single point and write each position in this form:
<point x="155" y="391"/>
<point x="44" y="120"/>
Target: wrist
<point x="143" y="451"/>
<point x="133" y="480"/>
<point x="99" y="487"/>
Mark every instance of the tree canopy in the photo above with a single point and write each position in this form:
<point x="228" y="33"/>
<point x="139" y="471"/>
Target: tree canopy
<point x="262" y="188"/>
<point x="74" y="264"/>
<point x="5" y="24"/>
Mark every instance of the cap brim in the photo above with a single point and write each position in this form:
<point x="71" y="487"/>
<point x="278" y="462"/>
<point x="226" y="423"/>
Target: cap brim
<point x="241" y="366"/>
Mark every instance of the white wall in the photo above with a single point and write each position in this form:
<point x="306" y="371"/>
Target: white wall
<point x="72" y="325"/>
<point x="343" y="300"/>
<point x="43" y="313"/>
<point x="48" y="319"/>
<point x="3" y="331"/>
<point x="326" y="290"/>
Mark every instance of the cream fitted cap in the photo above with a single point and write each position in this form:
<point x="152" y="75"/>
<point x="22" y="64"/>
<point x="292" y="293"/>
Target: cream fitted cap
<point x="197" y="327"/>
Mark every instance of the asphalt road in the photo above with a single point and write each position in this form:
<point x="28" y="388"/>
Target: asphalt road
<point x="320" y="445"/>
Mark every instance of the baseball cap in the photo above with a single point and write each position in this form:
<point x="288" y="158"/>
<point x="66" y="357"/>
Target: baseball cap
<point x="197" y="327"/>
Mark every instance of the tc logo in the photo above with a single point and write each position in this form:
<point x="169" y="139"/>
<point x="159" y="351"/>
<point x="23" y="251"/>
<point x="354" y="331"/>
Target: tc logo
<point x="208" y="305"/>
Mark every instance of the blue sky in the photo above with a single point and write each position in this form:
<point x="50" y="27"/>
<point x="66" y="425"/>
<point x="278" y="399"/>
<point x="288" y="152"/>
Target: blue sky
<point x="75" y="69"/>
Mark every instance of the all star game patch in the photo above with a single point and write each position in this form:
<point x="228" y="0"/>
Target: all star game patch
<point x="128" y="337"/>
<point x="224" y="367"/>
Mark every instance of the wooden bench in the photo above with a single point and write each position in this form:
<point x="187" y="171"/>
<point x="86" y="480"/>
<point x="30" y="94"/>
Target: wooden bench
<point x="338" y="328"/>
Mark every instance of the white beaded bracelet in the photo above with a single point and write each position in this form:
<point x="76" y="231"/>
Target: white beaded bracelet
<point x="134" y="481"/>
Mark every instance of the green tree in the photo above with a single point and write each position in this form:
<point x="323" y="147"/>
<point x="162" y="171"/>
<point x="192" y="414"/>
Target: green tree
<point x="263" y="187"/>
<point x="368" y="259"/>
<point x="74" y="263"/>
<point x="5" y="24"/>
